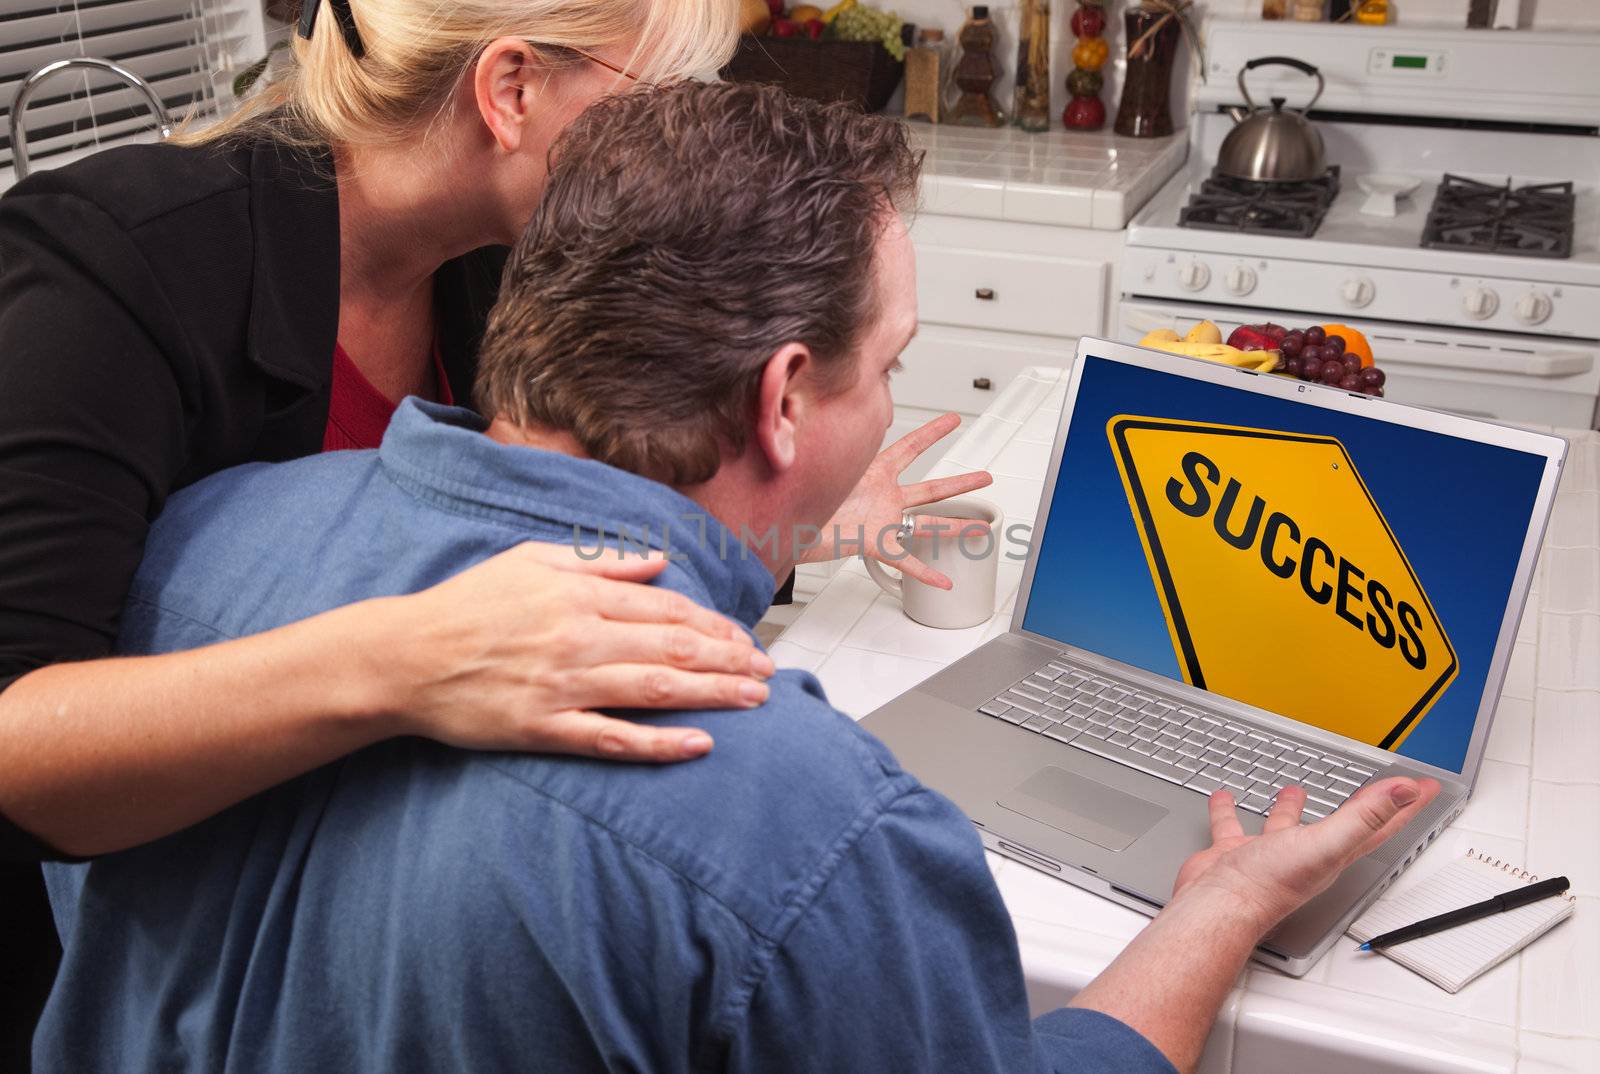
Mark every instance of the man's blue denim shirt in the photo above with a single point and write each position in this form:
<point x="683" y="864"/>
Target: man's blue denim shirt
<point x="792" y="902"/>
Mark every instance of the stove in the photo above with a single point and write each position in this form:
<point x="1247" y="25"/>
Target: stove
<point x="1224" y="203"/>
<point x="1481" y="295"/>
<point x="1534" y="220"/>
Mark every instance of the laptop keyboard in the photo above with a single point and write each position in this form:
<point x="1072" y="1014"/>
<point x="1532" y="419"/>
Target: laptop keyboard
<point x="1181" y="745"/>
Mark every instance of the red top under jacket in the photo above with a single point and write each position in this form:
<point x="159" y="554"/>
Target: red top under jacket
<point x="358" y="413"/>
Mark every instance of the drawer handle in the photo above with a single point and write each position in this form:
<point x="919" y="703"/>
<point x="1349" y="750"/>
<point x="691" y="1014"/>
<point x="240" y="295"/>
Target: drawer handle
<point x="983" y="384"/>
<point x="985" y="294"/>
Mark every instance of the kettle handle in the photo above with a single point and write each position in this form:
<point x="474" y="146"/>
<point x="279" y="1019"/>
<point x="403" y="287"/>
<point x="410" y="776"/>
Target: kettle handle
<point x="1282" y="61"/>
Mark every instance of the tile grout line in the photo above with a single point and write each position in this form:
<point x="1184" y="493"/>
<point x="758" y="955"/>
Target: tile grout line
<point x="898" y="656"/>
<point x="1557" y="690"/>
<point x="1238" y="1016"/>
<point x="853" y="624"/>
<point x="1533" y="752"/>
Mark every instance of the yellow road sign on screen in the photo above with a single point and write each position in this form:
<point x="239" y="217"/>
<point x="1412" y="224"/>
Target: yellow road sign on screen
<point x="1282" y="584"/>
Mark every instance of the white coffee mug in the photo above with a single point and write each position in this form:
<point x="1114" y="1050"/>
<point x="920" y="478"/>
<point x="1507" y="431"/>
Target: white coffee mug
<point x="968" y="558"/>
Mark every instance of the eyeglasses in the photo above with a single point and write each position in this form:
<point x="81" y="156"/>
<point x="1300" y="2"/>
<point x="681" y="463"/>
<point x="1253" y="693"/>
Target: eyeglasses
<point x="352" y="36"/>
<point x="607" y="64"/>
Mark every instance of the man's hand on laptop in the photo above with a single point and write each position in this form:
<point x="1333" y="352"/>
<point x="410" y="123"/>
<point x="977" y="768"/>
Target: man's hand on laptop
<point x="1171" y="979"/>
<point x="1275" y="873"/>
<point x="517" y="652"/>
<point x="875" y="508"/>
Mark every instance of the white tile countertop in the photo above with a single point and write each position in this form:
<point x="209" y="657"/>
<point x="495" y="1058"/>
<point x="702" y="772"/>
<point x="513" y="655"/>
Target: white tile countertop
<point x="1092" y="179"/>
<point x="1537" y="803"/>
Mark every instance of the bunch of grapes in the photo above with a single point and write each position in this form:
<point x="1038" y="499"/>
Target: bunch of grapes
<point x="859" y="22"/>
<point x="1312" y="354"/>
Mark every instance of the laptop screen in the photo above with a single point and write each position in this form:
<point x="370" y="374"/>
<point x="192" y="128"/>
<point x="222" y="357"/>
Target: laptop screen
<point x="1342" y="571"/>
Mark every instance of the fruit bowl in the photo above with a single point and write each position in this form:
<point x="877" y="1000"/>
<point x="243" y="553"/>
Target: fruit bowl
<point x="1332" y="354"/>
<point x="862" y="72"/>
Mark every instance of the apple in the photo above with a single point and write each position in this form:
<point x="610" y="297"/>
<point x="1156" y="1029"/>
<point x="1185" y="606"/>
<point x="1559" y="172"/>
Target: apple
<point x="785" y="27"/>
<point x="814" y="29"/>
<point x="1252" y="337"/>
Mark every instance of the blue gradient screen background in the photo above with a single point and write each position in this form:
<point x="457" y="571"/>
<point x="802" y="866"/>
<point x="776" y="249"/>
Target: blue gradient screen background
<point x="1459" y="509"/>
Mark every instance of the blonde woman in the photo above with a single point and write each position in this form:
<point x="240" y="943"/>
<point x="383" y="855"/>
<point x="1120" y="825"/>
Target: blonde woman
<point x="269" y="288"/>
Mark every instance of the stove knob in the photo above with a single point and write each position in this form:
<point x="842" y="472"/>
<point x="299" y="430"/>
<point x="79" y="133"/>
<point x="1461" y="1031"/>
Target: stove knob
<point x="1194" y="276"/>
<point x="1357" y="291"/>
<point x="1533" y="308"/>
<point x="1479" y="303"/>
<point x="1241" y="280"/>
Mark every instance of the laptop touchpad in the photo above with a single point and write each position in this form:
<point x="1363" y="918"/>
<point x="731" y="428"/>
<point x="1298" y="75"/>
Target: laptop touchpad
<point x="1070" y="803"/>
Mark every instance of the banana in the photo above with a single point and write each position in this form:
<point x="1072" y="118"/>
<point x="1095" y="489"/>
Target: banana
<point x="1212" y="352"/>
<point x="1262" y="361"/>
<point x="1205" y="341"/>
<point x="833" y="12"/>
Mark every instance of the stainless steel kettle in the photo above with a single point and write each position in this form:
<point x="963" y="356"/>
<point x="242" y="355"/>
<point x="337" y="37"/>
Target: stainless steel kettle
<point x="1274" y="146"/>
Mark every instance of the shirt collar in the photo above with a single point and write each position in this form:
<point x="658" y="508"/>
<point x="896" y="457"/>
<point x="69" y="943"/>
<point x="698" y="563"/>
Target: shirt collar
<point x="441" y="454"/>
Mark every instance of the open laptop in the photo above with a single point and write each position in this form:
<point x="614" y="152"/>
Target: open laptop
<point x="1236" y="579"/>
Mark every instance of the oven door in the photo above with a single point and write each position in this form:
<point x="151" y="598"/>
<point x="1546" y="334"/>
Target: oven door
<point x="1527" y="380"/>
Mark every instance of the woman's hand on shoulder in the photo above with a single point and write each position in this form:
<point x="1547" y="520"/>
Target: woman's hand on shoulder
<point x="517" y="653"/>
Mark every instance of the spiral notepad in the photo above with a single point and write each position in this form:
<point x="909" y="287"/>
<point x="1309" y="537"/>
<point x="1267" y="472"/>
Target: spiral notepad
<point x="1455" y="956"/>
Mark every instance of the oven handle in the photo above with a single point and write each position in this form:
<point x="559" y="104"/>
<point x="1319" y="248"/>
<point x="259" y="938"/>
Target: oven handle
<point x="1551" y="363"/>
<point x="1555" y="363"/>
<point x="1142" y="320"/>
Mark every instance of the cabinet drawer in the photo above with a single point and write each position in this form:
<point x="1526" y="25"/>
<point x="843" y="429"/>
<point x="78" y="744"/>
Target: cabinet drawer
<point x="1049" y="296"/>
<point x="964" y="369"/>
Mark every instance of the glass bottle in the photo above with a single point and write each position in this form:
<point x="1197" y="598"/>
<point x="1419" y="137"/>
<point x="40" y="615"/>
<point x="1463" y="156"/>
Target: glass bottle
<point x="1145" y="110"/>
<point x="1030" y="107"/>
<point x="925" y="77"/>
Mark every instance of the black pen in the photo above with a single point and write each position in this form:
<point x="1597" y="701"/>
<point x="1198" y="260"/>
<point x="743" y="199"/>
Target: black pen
<point x="1509" y="901"/>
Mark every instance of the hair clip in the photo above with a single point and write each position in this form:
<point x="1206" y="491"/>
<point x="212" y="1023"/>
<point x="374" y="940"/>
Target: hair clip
<point x="341" y="15"/>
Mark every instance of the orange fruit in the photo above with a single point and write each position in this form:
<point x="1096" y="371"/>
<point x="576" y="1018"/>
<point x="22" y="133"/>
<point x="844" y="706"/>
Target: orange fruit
<point x="1354" y="342"/>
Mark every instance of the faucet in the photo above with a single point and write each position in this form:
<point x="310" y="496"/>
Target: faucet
<point x="19" y="137"/>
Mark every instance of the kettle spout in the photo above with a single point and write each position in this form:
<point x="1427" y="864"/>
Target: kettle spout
<point x="1237" y="113"/>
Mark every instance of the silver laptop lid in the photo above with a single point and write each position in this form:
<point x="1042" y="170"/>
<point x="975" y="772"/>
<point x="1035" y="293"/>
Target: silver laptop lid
<point x="1334" y="558"/>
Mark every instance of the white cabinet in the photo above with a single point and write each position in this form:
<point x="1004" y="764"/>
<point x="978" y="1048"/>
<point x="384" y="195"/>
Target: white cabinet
<point x="963" y="369"/>
<point x="1055" y="296"/>
<point x="995" y="297"/>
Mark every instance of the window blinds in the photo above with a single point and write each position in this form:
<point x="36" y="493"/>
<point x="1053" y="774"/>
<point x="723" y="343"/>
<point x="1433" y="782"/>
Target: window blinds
<point x="186" y="49"/>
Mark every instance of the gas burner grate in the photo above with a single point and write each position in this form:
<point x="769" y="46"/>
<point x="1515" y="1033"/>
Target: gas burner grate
<point x="1226" y="204"/>
<point x="1529" y="221"/>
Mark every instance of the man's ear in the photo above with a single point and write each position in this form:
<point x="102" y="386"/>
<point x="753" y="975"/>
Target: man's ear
<point x="783" y="403"/>
<point x="503" y="88"/>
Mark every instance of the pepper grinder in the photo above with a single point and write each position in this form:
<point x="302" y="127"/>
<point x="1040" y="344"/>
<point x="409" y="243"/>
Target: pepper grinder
<point x="975" y="72"/>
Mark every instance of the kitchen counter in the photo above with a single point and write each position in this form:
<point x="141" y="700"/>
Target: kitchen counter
<point x="1537" y="803"/>
<point x="1091" y="179"/>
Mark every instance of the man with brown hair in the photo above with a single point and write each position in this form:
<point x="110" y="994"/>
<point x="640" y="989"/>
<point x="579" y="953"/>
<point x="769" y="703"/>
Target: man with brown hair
<point x="693" y="349"/>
